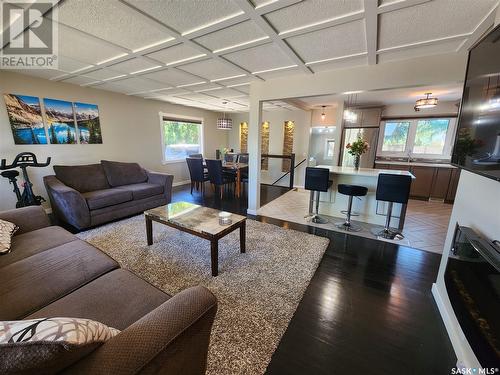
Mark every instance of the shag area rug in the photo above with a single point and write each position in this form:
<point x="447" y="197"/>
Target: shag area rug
<point x="257" y="292"/>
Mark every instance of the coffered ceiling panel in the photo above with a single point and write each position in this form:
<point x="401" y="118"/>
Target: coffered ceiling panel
<point x="197" y="97"/>
<point x="42" y="73"/>
<point x="241" y="33"/>
<point x="431" y="20"/>
<point x="187" y="15"/>
<point x="311" y="11"/>
<point x="260" y="58"/>
<point x="136" y="84"/>
<point x="342" y="40"/>
<point x="104" y="74"/>
<point x="134" y="65"/>
<point x="409" y="53"/>
<point x="173" y="77"/>
<point x="211" y="69"/>
<point x="226" y="93"/>
<point x="340" y="64"/>
<point x="70" y="65"/>
<point x="207" y="87"/>
<point x="280" y="73"/>
<point x="79" y="80"/>
<point x="175" y="53"/>
<point x="114" y="86"/>
<point x="84" y="48"/>
<point x="111" y="21"/>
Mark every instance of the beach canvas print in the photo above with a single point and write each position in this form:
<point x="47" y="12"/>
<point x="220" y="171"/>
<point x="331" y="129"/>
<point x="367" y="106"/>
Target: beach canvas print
<point x="87" y="120"/>
<point x="25" y="119"/>
<point x="60" y="120"/>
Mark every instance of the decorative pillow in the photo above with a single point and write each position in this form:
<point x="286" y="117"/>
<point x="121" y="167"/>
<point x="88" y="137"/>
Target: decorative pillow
<point x="7" y="230"/>
<point x="120" y="174"/>
<point x="48" y="345"/>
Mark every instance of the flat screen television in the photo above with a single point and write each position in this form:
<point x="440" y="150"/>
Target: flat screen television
<point x="477" y="144"/>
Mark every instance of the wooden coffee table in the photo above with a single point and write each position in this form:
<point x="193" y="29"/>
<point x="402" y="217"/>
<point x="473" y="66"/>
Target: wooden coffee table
<point x="199" y="221"/>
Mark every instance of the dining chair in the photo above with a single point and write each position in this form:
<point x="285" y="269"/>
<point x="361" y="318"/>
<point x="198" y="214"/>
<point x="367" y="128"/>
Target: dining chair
<point x="197" y="173"/>
<point x="230" y="157"/>
<point x="196" y="156"/>
<point x="217" y="177"/>
<point x="243" y="158"/>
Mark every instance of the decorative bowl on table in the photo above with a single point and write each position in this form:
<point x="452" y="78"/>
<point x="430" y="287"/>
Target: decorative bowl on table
<point x="225" y="218"/>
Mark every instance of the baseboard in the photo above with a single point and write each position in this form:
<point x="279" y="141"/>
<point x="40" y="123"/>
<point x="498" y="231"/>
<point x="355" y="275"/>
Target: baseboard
<point x="251" y="212"/>
<point x="463" y="351"/>
<point x="185" y="182"/>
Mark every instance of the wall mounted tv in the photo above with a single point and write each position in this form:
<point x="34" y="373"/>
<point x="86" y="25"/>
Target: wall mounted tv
<point x="477" y="145"/>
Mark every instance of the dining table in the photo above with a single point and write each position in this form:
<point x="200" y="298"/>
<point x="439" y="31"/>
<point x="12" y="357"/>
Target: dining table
<point x="237" y="169"/>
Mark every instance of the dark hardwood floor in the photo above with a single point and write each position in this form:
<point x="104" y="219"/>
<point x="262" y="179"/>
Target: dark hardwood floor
<point x="367" y="310"/>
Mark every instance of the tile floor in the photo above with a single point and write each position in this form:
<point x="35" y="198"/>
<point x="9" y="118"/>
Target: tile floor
<point x="425" y="227"/>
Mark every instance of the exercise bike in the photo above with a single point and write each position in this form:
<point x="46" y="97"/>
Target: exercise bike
<point x="23" y="161"/>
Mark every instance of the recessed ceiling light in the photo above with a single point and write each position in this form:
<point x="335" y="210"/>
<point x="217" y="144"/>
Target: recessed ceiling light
<point x="336" y="58"/>
<point x="186" y="59"/>
<point x="146" y="70"/>
<point x="191" y="84"/>
<point x="115" y="77"/>
<point x="239" y="84"/>
<point x="240" y="44"/>
<point x="213" y="23"/>
<point x="112" y="58"/>
<point x="265" y="4"/>
<point x="153" y="44"/>
<point x="275" y="69"/>
<point x="226" y="78"/>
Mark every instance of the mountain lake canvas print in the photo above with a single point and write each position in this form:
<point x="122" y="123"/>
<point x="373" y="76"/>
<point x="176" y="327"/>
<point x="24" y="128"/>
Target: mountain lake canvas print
<point x="60" y="120"/>
<point x="25" y="119"/>
<point x="87" y="120"/>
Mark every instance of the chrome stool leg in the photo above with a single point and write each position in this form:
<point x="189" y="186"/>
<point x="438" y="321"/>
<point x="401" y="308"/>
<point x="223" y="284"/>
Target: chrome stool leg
<point x="347" y="224"/>
<point x="316" y="218"/>
<point x="387" y="233"/>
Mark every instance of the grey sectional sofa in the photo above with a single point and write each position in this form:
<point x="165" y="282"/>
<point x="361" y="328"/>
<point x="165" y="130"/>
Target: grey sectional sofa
<point x="88" y="195"/>
<point x="51" y="273"/>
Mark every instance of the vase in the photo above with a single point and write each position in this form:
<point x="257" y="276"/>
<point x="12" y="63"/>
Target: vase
<point x="356" y="162"/>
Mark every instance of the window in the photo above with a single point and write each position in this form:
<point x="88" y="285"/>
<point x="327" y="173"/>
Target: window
<point x="181" y="137"/>
<point x="395" y="136"/>
<point x="430" y="137"/>
<point x="419" y="137"/>
<point x="329" y="149"/>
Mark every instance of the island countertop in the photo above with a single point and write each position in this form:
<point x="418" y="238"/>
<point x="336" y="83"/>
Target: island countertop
<point x="363" y="172"/>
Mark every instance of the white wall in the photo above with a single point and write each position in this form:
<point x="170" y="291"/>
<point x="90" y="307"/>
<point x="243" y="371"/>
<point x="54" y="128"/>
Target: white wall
<point x="234" y="134"/>
<point x="130" y="130"/>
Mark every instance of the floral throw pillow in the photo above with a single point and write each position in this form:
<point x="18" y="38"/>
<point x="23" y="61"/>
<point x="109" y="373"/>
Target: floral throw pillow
<point x="7" y="230"/>
<point x="48" y="345"/>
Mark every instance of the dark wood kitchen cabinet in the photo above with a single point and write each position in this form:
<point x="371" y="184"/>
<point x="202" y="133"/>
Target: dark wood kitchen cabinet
<point x="430" y="182"/>
<point x="421" y="186"/>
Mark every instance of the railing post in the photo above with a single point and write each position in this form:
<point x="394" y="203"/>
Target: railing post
<point x="292" y="170"/>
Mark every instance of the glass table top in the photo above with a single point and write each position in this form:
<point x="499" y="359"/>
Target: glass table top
<point x="191" y="216"/>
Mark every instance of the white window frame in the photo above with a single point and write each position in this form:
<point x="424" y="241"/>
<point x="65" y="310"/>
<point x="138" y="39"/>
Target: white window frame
<point x="410" y="140"/>
<point x="327" y="141"/>
<point x="180" y="117"/>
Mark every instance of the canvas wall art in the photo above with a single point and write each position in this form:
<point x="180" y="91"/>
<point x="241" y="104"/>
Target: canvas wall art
<point x="87" y="120"/>
<point x="25" y="119"/>
<point x="60" y="119"/>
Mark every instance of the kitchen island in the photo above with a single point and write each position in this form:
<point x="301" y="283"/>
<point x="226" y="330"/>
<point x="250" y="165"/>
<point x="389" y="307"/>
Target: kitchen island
<point x="367" y="207"/>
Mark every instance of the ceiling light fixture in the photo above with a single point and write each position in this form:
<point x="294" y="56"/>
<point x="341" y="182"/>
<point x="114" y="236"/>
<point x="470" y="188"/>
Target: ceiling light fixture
<point x="224" y="123"/>
<point x="425" y="103"/>
<point x="323" y="114"/>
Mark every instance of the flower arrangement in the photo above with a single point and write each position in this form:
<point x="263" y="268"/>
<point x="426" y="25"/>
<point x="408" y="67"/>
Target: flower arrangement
<point x="358" y="148"/>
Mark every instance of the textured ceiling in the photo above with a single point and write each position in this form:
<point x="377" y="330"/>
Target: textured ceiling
<point x="204" y="53"/>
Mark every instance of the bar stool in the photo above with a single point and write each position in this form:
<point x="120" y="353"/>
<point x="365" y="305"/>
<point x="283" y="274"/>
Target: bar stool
<point x="391" y="188"/>
<point x="352" y="191"/>
<point x="317" y="180"/>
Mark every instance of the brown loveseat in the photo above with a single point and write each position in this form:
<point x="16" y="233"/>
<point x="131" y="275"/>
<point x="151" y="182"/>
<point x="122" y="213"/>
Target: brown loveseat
<point x="88" y="195"/>
<point x="51" y="273"/>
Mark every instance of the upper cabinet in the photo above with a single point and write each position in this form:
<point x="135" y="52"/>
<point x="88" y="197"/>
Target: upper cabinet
<point x="365" y="117"/>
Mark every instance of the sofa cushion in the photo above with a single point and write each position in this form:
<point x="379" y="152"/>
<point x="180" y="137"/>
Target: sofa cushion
<point x="120" y="174"/>
<point x="82" y="178"/>
<point x="117" y="291"/>
<point x="105" y="198"/>
<point x="34" y="282"/>
<point x="143" y="190"/>
<point x="7" y="230"/>
<point x="30" y="243"/>
<point x="48" y="345"/>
